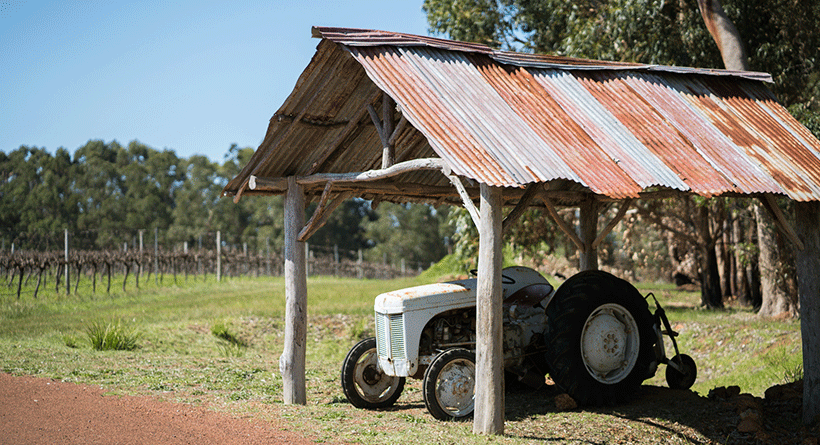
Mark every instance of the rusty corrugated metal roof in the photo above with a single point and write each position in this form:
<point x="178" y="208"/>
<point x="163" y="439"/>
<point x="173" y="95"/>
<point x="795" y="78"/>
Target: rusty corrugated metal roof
<point x="511" y="119"/>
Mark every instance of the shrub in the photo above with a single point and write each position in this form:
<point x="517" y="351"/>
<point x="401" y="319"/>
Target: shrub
<point x="112" y="336"/>
<point x="71" y="341"/>
<point x="787" y="365"/>
<point x="229" y="344"/>
<point x="222" y="331"/>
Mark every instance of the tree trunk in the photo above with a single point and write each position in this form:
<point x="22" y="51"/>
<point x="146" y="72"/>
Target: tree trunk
<point x="710" y="294"/>
<point x="807" y="225"/>
<point x="489" y="383"/>
<point x="776" y="299"/>
<point x="753" y="271"/>
<point x="127" y="271"/>
<point x="753" y="265"/>
<point x="726" y="36"/>
<point x="732" y="51"/>
<point x="740" y="261"/>
<point x="20" y="282"/>
<point x="723" y="245"/>
<point x="77" y="280"/>
<point x="58" y="281"/>
<point x="39" y="280"/>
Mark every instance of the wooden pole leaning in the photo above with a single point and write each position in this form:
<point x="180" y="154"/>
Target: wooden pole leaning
<point x="292" y="361"/>
<point x="489" y="381"/>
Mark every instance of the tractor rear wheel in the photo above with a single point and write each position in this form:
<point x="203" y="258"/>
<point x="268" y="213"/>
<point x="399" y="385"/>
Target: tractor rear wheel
<point x="600" y="338"/>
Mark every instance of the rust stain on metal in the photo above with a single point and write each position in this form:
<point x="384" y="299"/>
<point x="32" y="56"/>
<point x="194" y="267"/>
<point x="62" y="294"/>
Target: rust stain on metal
<point x="564" y="137"/>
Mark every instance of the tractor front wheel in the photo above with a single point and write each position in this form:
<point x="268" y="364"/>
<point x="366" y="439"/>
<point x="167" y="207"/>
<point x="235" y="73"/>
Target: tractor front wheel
<point x="364" y="383"/>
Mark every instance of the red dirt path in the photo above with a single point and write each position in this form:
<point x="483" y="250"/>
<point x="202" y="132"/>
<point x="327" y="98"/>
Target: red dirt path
<point x="41" y="411"/>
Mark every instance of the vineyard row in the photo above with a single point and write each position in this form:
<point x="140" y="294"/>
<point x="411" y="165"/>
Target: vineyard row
<point x="23" y="269"/>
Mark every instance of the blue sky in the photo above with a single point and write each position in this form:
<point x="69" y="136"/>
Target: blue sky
<point x="190" y="76"/>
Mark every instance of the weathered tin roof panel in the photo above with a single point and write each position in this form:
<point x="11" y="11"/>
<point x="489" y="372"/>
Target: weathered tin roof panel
<point x="564" y="137"/>
<point x="511" y="119"/>
<point x="609" y="133"/>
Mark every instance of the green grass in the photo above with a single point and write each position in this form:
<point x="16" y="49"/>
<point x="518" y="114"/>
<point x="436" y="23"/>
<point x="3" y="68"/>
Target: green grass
<point x="219" y="344"/>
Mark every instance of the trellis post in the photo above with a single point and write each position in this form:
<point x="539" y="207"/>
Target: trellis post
<point x="139" y="272"/>
<point x="489" y="381"/>
<point x="218" y="256"/>
<point x="67" y="268"/>
<point x="292" y="361"/>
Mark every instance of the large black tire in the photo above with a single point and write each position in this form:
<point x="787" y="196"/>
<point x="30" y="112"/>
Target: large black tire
<point x="363" y="382"/>
<point x="449" y="385"/>
<point x="592" y="350"/>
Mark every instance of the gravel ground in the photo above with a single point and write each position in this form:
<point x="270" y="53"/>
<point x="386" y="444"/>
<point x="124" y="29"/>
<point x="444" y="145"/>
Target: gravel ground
<point x="41" y="411"/>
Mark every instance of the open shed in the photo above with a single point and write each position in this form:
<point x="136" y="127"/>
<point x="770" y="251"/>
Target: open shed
<point x="396" y="117"/>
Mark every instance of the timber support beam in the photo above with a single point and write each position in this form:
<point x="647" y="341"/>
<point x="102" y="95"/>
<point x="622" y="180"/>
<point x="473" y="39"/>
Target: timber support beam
<point x="807" y="222"/>
<point x="292" y="361"/>
<point x="489" y="381"/>
<point x="587" y="231"/>
<point x="588" y="238"/>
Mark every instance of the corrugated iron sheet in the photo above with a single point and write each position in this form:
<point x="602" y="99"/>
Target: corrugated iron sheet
<point x="510" y="119"/>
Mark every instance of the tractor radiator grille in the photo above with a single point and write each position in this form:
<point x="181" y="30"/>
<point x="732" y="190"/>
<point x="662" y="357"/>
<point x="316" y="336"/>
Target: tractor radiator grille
<point x="390" y="331"/>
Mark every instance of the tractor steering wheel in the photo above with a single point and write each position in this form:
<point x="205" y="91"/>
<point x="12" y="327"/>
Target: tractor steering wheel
<point x="504" y="278"/>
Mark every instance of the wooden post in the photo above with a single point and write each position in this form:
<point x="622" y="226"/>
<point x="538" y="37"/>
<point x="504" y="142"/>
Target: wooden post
<point x="292" y="361"/>
<point x="139" y="272"/>
<point x="156" y="256"/>
<point x="336" y="260"/>
<point x="267" y="255"/>
<point x="588" y="231"/>
<point x="389" y="148"/>
<point x="218" y="256"/>
<point x="67" y="268"/>
<point x="489" y="382"/>
<point x="807" y="222"/>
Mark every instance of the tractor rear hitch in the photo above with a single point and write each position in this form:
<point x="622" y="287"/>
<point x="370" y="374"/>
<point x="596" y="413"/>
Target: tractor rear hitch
<point x="683" y="369"/>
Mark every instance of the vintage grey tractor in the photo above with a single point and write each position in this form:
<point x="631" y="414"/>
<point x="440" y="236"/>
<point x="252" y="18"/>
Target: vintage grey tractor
<point x="595" y="336"/>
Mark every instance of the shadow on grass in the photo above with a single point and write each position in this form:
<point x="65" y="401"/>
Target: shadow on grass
<point x="680" y="416"/>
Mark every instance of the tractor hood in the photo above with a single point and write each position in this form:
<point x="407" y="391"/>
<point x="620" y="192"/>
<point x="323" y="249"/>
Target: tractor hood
<point x="453" y="294"/>
<point x="429" y="296"/>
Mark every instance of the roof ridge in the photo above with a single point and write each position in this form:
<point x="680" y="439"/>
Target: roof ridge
<point x="370" y="37"/>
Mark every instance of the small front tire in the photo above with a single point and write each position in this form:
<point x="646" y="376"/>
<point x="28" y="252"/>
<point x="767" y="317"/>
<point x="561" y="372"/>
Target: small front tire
<point x="686" y="376"/>
<point x="449" y="385"/>
<point x="364" y="384"/>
